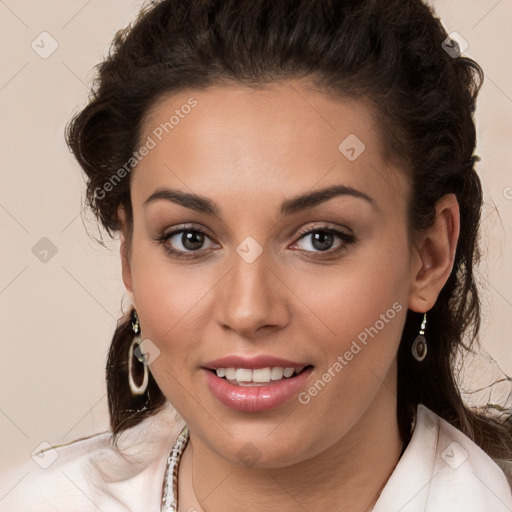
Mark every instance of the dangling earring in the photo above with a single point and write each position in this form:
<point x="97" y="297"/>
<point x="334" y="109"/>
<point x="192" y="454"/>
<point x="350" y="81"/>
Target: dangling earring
<point x="137" y="390"/>
<point x="419" y="347"/>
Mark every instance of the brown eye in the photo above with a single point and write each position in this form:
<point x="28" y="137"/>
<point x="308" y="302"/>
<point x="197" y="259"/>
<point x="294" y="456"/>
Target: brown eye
<point x="323" y="239"/>
<point x="184" y="242"/>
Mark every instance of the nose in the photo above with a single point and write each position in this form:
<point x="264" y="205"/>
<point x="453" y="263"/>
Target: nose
<point x="253" y="298"/>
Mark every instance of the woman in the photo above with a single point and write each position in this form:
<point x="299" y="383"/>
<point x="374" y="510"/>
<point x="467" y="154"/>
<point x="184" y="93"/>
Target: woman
<point x="295" y="191"/>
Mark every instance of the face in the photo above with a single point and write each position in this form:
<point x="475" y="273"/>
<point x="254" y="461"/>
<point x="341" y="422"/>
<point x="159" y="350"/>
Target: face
<point x="249" y="279"/>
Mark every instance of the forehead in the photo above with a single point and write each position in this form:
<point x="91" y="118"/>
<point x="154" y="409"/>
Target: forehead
<point x="281" y="138"/>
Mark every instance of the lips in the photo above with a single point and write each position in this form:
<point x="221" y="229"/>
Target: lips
<point x="255" y="384"/>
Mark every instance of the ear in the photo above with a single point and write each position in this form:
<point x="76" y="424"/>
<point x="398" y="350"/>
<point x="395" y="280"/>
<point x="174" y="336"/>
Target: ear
<point x="125" y="255"/>
<point x="434" y="255"/>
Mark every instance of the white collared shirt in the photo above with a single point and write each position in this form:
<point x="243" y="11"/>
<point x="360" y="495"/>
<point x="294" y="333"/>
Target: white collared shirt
<point x="441" y="470"/>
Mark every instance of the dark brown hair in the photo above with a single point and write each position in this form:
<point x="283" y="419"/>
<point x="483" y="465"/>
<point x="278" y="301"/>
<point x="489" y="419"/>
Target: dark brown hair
<point x="391" y="54"/>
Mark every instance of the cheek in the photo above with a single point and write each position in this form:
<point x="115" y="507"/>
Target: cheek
<point x="360" y="309"/>
<point x="164" y="292"/>
<point x="368" y="288"/>
<point x="170" y="304"/>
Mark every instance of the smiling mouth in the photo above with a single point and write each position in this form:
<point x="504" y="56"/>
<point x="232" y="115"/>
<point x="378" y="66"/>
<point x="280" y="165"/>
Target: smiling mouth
<point x="258" y="376"/>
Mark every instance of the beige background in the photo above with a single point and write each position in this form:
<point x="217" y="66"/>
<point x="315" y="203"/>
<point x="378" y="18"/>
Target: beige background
<point x="57" y="316"/>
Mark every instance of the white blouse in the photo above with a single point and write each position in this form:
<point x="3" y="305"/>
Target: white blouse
<point x="441" y="470"/>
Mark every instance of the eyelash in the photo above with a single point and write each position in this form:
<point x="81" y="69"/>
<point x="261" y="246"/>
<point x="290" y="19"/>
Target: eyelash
<point x="346" y="238"/>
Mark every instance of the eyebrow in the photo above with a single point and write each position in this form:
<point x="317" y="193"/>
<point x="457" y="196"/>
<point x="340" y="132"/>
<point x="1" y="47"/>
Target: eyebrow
<point x="290" y="206"/>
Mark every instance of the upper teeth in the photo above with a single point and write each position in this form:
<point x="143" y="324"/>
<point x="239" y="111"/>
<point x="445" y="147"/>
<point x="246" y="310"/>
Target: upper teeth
<point x="258" y="375"/>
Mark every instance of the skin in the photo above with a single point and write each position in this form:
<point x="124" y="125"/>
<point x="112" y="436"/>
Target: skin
<point x="248" y="150"/>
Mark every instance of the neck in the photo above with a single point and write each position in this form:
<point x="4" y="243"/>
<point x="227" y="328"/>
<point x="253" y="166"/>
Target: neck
<point x="347" y="477"/>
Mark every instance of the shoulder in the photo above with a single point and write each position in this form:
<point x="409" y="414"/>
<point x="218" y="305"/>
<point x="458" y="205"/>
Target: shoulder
<point x="93" y="474"/>
<point x="442" y="469"/>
